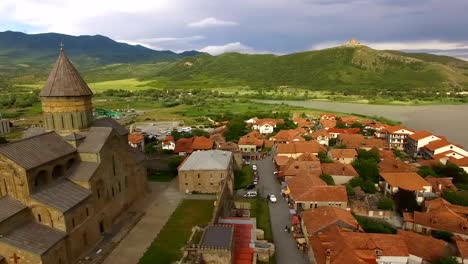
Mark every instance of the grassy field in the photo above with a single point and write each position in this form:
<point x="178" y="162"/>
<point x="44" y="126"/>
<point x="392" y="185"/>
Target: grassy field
<point x="125" y="84"/>
<point x="243" y="177"/>
<point x="166" y="248"/>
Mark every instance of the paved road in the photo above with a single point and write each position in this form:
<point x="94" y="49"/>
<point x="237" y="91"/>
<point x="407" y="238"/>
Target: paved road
<point x="285" y="245"/>
<point x="159" y="206"/>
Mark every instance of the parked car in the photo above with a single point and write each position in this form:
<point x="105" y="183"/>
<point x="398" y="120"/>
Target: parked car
<point x="250" y="187"/>
<point x="273" y="198"/>
<point x="254" y="167"/>
<point x="250" y="194"/>
<point x="255" y="181"/>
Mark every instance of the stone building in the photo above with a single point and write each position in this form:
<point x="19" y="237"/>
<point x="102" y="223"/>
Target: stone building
<point x="62" y="190"/>
<point x="4" y="126"/>
<point x="205" y="171"/>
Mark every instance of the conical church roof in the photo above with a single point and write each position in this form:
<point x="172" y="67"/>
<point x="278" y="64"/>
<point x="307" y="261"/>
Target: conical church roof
<point x="64" y="80"/>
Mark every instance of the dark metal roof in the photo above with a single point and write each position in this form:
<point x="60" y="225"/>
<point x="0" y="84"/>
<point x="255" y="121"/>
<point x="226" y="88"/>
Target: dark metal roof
<point x="64" y="80"/>
<point x="34" y="131"/>
<point x="95" y="139"/>
<point x="62" y="195"/>
<point x="218" y="236"/>
<point x="73" y="137"/>
<point x="37" y="150"/>
<point x="33" y="237"/>
<point x="110" y="122"/>
<point x="83" y="171"/>
<point x="9" y="207"/>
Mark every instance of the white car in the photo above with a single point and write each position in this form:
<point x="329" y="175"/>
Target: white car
<point x="254" y="167"/>
<point x="250" y="194"/>
<point x="273" y="198"/>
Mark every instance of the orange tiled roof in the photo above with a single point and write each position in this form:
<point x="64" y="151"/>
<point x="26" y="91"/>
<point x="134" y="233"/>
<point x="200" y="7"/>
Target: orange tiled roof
<point x="426" y="247"/>
<point x="169" y="138"/>
<point x="349" y="119"/>
<point x="300" y="147"/>
<point x="441" y="184"/>
<point x="308" y="193"/>
<point x="281" y="160"/>
<point x="202" y="143"/>
<point x="289" y="135"/>
<point x="343" y="153"/>
<point x="344" y="130"/>
<point x="462" y="247"/>
<point x="328" y="123"/>
<point x="449" y="154"/>
<point x="184" y="145"/>
<point x="302" y="122"/>
<point x="327" y="115"/>
<point x="322" y="217"/>
<point x="436" y="144"/>
<point x="463" y="162"/>
<point x="230" y="146"/>
<point x="420" y="135"/>
<point x="440" y="202"/>
<point x="393" y="129"/>
<point x="318" y="133"/>
<point x="307" y="157"/>
<point x="136" y="138"/>
<point x="295" y="167"/>
<point x="351" y="140"/>
<point x="252" y="138"/>
<point x="394" y="165"/>
<point x="409" y="181"/>
<point x="441" y="216"/>
<point x="339" y="169"/>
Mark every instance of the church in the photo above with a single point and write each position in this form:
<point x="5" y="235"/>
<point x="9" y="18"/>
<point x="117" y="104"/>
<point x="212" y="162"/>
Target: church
<point x="62" y="189"/>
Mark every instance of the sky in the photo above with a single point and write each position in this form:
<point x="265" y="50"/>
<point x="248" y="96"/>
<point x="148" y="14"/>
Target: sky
<point x="251" y="26"/>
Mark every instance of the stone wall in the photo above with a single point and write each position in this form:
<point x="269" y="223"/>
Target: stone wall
<point x="67" y="114"/>
<point x="208" y="181"/>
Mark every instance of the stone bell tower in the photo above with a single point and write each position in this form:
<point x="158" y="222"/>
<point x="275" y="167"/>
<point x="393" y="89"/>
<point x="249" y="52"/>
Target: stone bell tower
<point x="66" y="99"/>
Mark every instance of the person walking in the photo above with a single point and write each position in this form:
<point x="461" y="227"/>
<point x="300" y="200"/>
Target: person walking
<point x="286" y="228"/>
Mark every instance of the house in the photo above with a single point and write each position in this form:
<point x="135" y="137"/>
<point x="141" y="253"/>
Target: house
<point x="396" y="136"/>
<point x="168" y="143"/>
<point x="183" y="146"/>
<point x="327" y="116"/>
<point x="462" y="163"/>
<point x="438" y="215"/>
<point x="137" y="140"/>
<point x="341" y="173"/>
<point x="321" y="218"/>
<point x="205" y="171"/>
<point x="295" y="168"/>
<point x="334" y="131"/>
<point x="290" y="135"/>
<point x="295" y="149"/>
<point x="422" y="248"/>
<point x="251" y="121"/>
<point x="358" y="141"/>
<point x="251" y="142"/>
<point x="321" y="136"/>
<point x="335" y="246"/>
<point x="390" y="165"/>
<point x="302" y="122"/>
<point x="218" y="139"/>
<point x="4" y="126"/>
<point x="408" y="181"/>
<point x="378" y="128"/>
<point x="327" y="124"/>
<point x="349" y="120"/>
<point x="418" y="140"/>
<point x="202" y="143"/>
<point x="309" y="192"/>
<point x="345" y="156"/>
<point x="443" y="148"/>
<point x="439" y="185"/>
<point x="266" y="125"/>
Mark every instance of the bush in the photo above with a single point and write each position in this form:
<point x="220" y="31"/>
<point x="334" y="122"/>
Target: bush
<point x="366" y="186"/>
<point x="442" y="234"/>
<point x="425" y="171"/>
<point x="307" y="137"/>
<point x="375" y="226"/>
<point x="458" y="198"/>
<point x="447" y="260"/>
<point x="323" y="157"/>
<point x="174" y="162"/>
<point x="386" y="203"/>
<point x="349" y="190"/>
<point x="332" y="142"/>
<point x="327" y="179"/>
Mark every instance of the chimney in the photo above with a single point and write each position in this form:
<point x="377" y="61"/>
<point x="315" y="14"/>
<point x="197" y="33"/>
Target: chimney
<point x="328" y="256"/>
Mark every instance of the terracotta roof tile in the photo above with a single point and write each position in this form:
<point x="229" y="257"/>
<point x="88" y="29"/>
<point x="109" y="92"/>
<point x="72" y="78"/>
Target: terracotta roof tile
<point x="409" y="181"/>
<point x="202" y="143"/>
<point x="322" y="217"/>
<point x="289" y="135"/>
<point x="184" y="145"/>
<point x="394" y="165"/>
<point x="426" y="247"/>
<point x="344" y="130"/>
<point x="463" y="162"/>
<point x="252" y="138"/>
<point x="420" y="135"/>
<point x="339" y="169"/>
<point x="136" y="138"/>
<point x="441" y="184"/>
<point x="393" y="129"/>
<point x="295" y="167"/>
<point x="343" y="153"/>
<point x="327" y="123"/>
<point x="307" y="193"/>
<point x="437" y="144"/>
<point x="300" y="147"/>
<point x="462" y="247"/>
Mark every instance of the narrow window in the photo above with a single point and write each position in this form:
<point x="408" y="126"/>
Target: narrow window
<point x="85" y="239"/>
<point x="113" y="192"/>
<point x="98" y="194"/>
<point x="73" y="222"/>
<point x="87" y="211"/>
<point x="113" y="164"/>
<point x="126" y="181"/>
<point x="120" y="188"/>
<point x="39" y="218"/>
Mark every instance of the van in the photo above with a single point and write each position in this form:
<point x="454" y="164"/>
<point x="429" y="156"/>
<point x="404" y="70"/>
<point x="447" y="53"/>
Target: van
<point x="250" y="194"/>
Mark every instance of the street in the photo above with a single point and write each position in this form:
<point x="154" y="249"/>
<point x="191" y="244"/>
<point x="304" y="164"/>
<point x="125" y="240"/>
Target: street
<point x="285" y="245"/>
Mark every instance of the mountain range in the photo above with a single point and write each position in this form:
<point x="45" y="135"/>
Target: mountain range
<point x="348" y="69"/>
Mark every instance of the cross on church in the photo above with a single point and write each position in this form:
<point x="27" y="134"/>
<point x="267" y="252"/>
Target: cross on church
<point x="15" y="258"/>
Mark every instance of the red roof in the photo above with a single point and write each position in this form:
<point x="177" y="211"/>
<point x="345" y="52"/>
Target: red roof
<point x="344" y="130"/>
<point x="252" y="138"/>
<point x="300" y="147"/>
<point x="184" y="145"/>
<point x="420" y="135"/>
<point x="437" y="144"/>
<point x="202" y="143"/>
<point x="136" y="138"/>
<point x="459" y="162"/>
<point x="393" y="129"/>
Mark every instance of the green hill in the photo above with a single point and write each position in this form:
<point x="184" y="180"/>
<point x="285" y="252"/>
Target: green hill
<point x="22" y="54"/>
<point x="354" y="70"/>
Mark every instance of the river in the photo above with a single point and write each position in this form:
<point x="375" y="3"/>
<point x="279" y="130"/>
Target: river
<point x="447" y="120"/>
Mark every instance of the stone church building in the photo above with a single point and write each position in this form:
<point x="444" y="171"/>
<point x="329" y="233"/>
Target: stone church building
<point x="61" y="190"/>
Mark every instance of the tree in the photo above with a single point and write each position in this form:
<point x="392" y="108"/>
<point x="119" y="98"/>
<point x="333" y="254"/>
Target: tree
<point x="425" y="171"/>
<point x="174" y="162"/>
<point x="367" y="169"/>
<point x="235" y="130"/>
<point x="307" y="137"/>
<point x="150" y="148"/>
<point x="332" y="142"/>
<point x="447" y="260"/>
<point x="458" y="198"/>
<point x="386" y="203"/>
<point x="340" y="124"/>
<point x="288" y="124"/>
<point x="200" y="133"/>
<point x="323" y="157"/>
<point x="327" y="179"/>
<point x="372" y="154"/>
<point x="366" y="186"/>
<point x="357" y="125"/>
<point x="442" y="234"/>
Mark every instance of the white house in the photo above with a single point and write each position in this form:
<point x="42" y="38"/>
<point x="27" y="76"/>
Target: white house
<point x="418" y="140"/>
<point x="396" y="136"/>
<point x="442" y="148"/>
<point x="168" y="143"/>
<point x="265" y="127"/>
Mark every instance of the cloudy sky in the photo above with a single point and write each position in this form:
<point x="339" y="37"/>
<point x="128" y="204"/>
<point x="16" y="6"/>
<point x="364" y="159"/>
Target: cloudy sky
<point x="251" y="26"/>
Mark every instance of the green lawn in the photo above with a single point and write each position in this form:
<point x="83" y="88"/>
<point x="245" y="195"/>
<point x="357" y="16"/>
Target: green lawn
<point x="125" y="84"/>
<point x="243" y="177"/>
<point x="161" y="176"/>
<point x="166" y="248"/>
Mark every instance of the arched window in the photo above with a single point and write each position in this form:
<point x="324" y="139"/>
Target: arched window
<point x="57" y="172"/>
<point x="70" y="163"/>
<point x="41" y="179"/>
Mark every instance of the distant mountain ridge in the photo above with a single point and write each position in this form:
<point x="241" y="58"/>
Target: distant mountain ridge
<point x="21" y="51"/>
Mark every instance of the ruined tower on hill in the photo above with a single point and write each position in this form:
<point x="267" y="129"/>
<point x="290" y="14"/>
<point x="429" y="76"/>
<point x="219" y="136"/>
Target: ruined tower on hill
<point x="353" y="42"/>
<point x="66" y="99"/>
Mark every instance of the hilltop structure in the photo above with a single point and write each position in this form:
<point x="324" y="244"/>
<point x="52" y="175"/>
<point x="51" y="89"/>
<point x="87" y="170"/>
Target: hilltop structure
<point x="62" y="190"/>
<point x="352" y="43"/>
